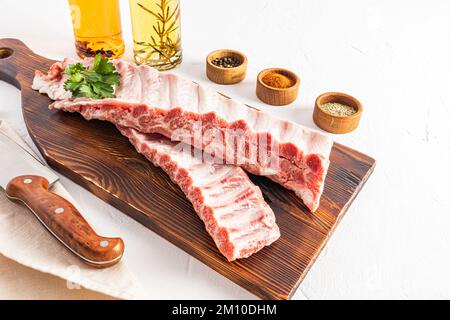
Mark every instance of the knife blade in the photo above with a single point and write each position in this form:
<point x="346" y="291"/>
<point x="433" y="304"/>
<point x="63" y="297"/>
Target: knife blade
<point x="25" y="178"/>
<point x="16" y="161"/>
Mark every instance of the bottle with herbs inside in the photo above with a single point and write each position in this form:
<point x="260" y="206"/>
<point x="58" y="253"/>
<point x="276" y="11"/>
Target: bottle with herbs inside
<point x="97" y="28"/>
<point x="156" y="33"/>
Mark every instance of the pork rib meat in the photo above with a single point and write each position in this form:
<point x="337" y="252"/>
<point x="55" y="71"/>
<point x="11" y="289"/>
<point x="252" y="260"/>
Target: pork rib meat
<point x="231" y="206"/>
<point x="152" y="102"/>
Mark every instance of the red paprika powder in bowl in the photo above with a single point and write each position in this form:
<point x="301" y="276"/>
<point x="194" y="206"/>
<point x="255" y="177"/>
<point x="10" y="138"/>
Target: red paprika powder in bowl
<point x="277" y="87"/>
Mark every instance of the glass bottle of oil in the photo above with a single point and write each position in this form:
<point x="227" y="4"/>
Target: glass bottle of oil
<point x="97" y="27"/>
<point x="156" y="33"/>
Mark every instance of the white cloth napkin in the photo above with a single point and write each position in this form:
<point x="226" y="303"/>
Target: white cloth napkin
<point x="24" y="240"/>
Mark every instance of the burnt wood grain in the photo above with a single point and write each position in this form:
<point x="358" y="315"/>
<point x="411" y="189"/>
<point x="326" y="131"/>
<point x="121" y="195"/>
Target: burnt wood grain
<point x="95" y="155"/>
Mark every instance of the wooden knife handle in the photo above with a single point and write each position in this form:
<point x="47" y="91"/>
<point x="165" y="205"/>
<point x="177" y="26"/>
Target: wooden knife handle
<point x="64" y="221"/>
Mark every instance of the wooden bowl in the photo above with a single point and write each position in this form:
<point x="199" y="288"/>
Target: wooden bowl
<point x="226" y="75"/>
<point x="337" y="124"/>
<point x="277" y="96"/>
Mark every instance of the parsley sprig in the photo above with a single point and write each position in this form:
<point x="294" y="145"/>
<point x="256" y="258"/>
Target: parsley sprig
<point x="96" y="83"/>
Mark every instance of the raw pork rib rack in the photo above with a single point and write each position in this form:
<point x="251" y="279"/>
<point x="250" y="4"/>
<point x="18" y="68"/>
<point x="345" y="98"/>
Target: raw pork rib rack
<point x="231" y="206"/>
<point x="154" y="102"/>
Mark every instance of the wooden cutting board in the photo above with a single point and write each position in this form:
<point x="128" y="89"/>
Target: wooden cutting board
<point x="96" y="156"/>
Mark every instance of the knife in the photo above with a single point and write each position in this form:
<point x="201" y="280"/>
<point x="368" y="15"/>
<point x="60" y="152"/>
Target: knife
<point x="25" y="178"/>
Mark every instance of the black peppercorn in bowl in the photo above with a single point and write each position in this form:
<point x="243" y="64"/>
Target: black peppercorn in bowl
<point x="226" y="66"/>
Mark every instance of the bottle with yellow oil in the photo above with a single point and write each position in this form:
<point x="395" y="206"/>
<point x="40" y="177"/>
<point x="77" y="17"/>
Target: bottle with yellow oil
<point x="97" y="27"/>
<point x="156" y="33"/>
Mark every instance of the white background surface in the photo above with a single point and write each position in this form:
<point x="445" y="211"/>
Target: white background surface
<point x="392" y="55"/>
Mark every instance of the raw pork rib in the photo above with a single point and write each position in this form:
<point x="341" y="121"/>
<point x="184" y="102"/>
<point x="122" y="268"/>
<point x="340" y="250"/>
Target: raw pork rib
<point x="152" y="102"/>
<point x="231" y="206"/>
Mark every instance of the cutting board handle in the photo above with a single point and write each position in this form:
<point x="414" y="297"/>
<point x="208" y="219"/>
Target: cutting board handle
<point x="65" y="222"/>
<point x="17" y="61"/>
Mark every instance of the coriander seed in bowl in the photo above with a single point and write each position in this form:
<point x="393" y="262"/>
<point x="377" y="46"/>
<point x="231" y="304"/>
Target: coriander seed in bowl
<point x="338" y="109"/>
<point x="337" y="112"/>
